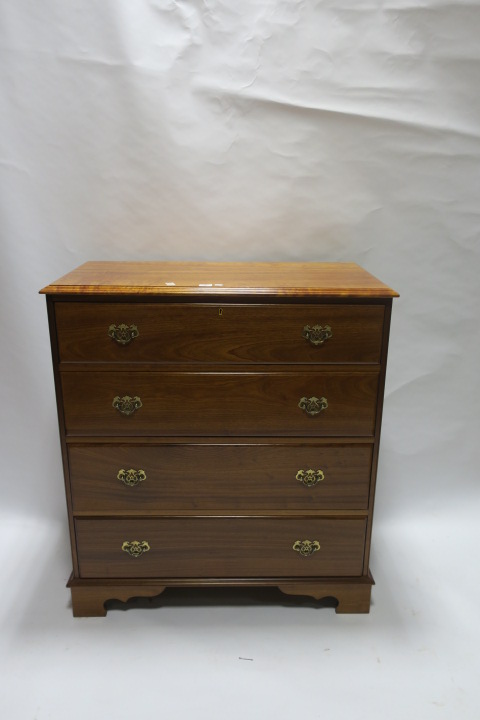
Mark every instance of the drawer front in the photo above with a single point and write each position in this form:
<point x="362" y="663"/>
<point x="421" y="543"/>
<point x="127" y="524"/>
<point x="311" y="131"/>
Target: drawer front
<point x="236" y="477"/>
<point x="220" y="547"/>
<point x="215" y="333"/>
<point x="220" y="404"/>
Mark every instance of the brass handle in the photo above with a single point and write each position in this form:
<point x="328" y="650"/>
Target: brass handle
<point x="310" y="477"/>
<point x="306" y="547"/>
<point x="313" y="405"/>
<point x="131" y="477"/>
<point x="126" y="404"/>
<point x="123" y="334"/>
<point x="135" y="548"/>
<point x="317" y="334"/>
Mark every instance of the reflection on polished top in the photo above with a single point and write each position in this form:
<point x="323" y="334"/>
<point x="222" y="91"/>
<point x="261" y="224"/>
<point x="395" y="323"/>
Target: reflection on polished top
<point x="207" y="278"/>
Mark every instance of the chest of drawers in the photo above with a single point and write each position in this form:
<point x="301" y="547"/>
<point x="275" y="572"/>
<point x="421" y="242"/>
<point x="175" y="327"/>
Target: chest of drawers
<point x="220" y="425"/>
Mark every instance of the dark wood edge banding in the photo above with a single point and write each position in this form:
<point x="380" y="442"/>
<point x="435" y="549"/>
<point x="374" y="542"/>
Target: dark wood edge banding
<point x="159" y="513"/>
<point x="208" y="299"/>
<point x="222" y="368"/>
<point x="378" y="427"/>
<point x="227" y="440"/>
<point x="214" y="581"/>
<point x="61" y="427"/>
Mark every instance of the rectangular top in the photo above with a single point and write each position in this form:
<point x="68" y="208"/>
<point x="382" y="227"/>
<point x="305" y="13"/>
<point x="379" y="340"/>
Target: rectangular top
<point x="218" y="278"/>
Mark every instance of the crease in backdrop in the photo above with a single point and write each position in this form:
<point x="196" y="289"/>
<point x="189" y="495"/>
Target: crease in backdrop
<point x="271" y="130"/>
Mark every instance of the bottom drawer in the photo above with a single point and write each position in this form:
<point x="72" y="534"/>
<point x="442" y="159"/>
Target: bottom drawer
<point x="198" y="547"/>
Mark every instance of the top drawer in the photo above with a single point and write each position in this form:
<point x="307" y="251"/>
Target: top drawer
<point x="165" y="333"/>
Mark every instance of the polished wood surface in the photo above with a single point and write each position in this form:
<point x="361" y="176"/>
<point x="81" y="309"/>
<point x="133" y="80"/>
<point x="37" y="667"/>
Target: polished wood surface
<point x="89" y="600"/>
<point x="204" y="278"/>
<point x="89" y="597"/>
<point x="353" y="597"/>
<point x="236" y="477"/>
<point x="61" y="428"/>
<point x="180" y="440"/>
<point x="220" y="547"/>
<point x="220" y="365"/>
<point x="378" y="427"/>
<point x="213" y="333"/>
<point x="233" y="404"/>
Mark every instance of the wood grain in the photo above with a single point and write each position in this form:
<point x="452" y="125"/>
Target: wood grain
<point x="236" y="477"/>
<point x="203" y="278"/>
<point x="378" y="427"/>
<point x="213" y="333"/>
<point x="223" y="547"/>
<point x="89" y="597"/>
<point x="61" y="428"/>
<point x="352" y="597"/>
<point x="220" y="365"/>
<point x="228" y="404"/>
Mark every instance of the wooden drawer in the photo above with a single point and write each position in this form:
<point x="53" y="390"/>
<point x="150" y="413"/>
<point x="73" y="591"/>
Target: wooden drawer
<point x="220" y="547"/>
<point x="174" y="333"/>
<point x="203" y="476"/>
<point x="220" y="404"/>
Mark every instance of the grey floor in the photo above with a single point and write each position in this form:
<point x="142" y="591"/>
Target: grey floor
<point x="238" y="654"/>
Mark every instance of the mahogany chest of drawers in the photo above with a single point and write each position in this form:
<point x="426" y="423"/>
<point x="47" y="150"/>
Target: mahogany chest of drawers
<point x="220" y="425"/>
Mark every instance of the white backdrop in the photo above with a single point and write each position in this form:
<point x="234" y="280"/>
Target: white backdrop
<point x="259" y="130"/>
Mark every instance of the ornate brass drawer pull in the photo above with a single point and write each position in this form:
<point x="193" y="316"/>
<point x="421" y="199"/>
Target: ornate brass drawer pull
<point x="131" y="477"/>
<point x="313" y="405"/>
<point x="306" y="547"/>
<point x="126" y="404"/>
<point x="135" y="548"/>
<point x="310" y="477"/>
<point x="123" y="334"/>
<point x="317" y="334"/>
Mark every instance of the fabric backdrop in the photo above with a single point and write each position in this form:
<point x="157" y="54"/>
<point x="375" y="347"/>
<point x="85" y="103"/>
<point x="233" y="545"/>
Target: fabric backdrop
<point x="323" y="130"/>
<point x="260" y="130"/>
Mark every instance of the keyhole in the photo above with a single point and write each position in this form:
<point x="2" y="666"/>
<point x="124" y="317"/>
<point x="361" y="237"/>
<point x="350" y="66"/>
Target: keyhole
<point x="220" y="311"/>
